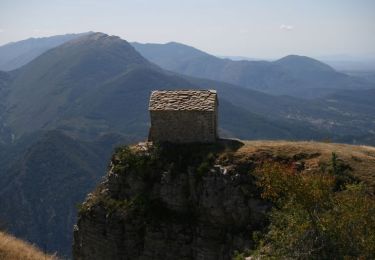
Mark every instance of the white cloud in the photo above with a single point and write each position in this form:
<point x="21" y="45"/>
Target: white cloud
<point x="286" y="27"/>
<point x="1" y="30"/>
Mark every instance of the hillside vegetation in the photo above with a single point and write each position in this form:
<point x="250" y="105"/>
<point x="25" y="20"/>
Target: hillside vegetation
<point x="322" y="196"/>
<point x="232" y="199"/>
<point x="12" y="248"/>
<point x="316" y="155"/>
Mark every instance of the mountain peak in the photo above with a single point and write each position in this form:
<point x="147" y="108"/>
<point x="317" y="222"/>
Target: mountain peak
<point x="71" y="70"/>
<point x="299" y="62"/>
<point x="99" y="47"/>
<point x="295" y="56"/>
<point x="97" y="37"/>
<point x="172" y="43"/>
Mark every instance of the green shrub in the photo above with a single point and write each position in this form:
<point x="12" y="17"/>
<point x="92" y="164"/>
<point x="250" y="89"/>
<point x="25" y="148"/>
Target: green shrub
<point x="314" y="220"/>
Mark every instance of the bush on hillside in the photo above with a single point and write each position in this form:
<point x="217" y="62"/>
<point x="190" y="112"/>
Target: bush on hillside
<point x="312" y="219"/>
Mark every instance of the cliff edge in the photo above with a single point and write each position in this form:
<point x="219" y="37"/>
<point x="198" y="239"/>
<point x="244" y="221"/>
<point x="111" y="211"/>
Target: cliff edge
<point x="194" y="201"/>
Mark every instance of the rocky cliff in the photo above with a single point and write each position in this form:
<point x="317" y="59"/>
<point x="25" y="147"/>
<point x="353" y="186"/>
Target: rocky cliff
<point x="171" y="202"/>
<point x="190" y="201"/>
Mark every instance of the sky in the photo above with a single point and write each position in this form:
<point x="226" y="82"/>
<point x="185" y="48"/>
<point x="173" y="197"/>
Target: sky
<point x="251" y="28"/>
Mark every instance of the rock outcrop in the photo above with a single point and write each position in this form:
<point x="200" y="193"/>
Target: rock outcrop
<point x="173" y="202"/>
<point x="195" y="201"/>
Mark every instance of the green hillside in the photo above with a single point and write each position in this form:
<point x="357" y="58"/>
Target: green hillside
<point x="43" y="179"/>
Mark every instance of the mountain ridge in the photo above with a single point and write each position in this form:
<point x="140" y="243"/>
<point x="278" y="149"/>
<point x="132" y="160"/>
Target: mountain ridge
<point x="90" y="82"/>
<point x="84" y="86"/>
<point x="94" y="93"/>
<point x="16" y="54"/>
<point x="276" y="78"/>
<point x="279" y="80"/>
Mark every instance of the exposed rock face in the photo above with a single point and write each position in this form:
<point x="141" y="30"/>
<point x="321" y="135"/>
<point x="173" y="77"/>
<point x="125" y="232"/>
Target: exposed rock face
<point x="174" y="203"/>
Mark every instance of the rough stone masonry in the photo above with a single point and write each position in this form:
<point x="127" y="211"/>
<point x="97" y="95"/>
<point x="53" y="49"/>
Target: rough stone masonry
<point x="183" y="116"/>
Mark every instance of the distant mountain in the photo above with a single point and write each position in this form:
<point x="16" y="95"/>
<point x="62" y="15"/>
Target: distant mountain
<point x="94" y="90"/>
<point x="366" y="75"/>
<point x="237" y="58"/>
<point x="61" y="87"/>
<point x="330" y="117"/>
<point x="301" y="64"/>
<point x="347" y="63"/>
<point x="265" y="76"/>
<point x="41" y="185"/>
<point x="5" y="80"/>
<point x="292" y="75"/>
<point x="98" y="83"/>
<point x="16" y="54"/>
<point x="63" y="112"/>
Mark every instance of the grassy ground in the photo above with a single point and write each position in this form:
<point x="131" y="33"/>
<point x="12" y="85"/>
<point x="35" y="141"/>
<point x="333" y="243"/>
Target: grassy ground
<point x="12" y="248"/>
<point x="313" y="154"/>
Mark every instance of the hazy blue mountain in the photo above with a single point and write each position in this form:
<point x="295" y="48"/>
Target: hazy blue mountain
<point x="5" y="79"/>
<point x="331" y="116"/>
<point x="237" y="58"/>
<point x="95" y="90"/>
<point x="364" y="74"/>
<point x="292" y="75"/>
<point x="65" y="110"/>
<point x="298" y="76"/>
<point x="349" y="63"/>
<point x="16" y="54"/>
<point x="58" y="85"/>
<point x="41" y="185"/>
<point x="98" y="83"/>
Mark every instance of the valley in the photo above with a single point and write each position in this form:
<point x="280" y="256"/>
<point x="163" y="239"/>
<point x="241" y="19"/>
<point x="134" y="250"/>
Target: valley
<point x="63" y="112"/>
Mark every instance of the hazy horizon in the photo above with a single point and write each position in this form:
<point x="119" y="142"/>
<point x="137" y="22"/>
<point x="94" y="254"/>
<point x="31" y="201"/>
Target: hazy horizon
<point x="254" y="29"/>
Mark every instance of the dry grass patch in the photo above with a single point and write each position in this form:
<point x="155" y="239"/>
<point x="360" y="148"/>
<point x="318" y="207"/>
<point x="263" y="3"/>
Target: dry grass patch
<point x="314" y="155"/>
<point x="12" y="248"/>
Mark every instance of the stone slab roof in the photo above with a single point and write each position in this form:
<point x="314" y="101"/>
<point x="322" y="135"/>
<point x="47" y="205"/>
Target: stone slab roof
<point x="198" y="100"/>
